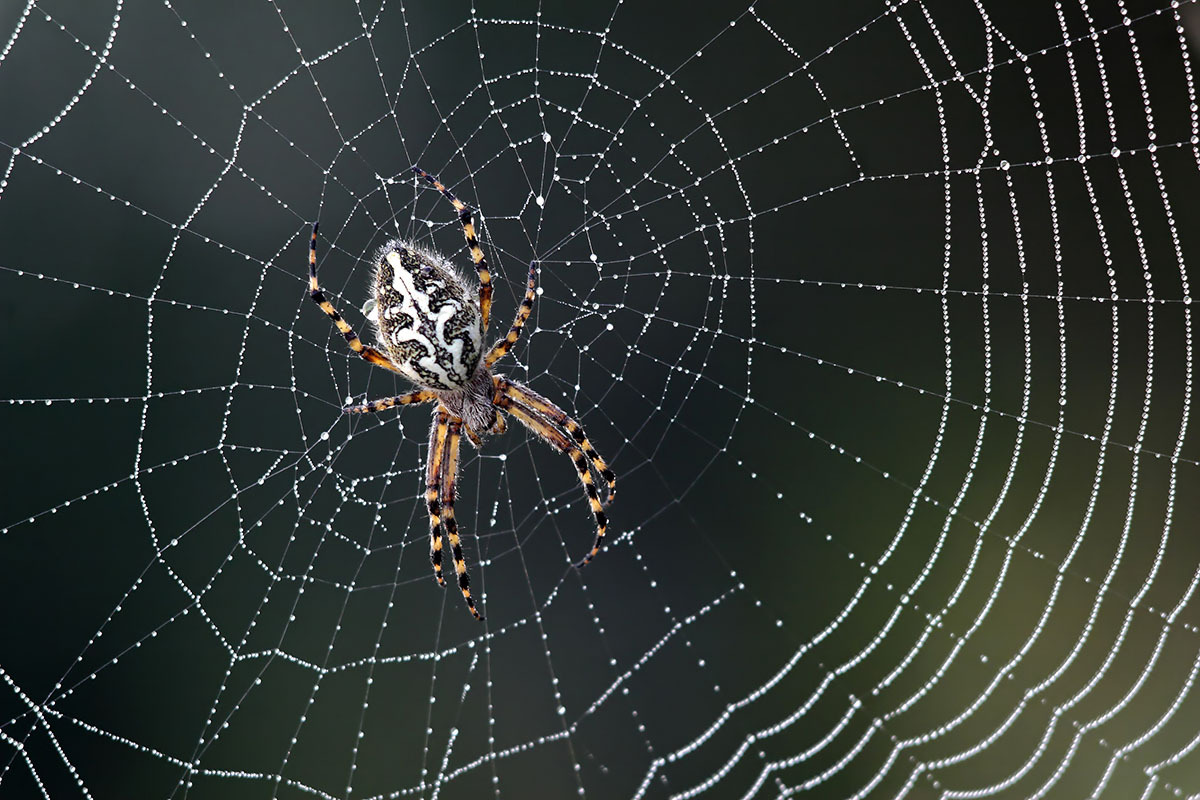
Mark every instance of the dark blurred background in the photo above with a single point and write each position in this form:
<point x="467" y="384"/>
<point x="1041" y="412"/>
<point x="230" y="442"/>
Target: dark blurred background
<point x="880" y="312"/>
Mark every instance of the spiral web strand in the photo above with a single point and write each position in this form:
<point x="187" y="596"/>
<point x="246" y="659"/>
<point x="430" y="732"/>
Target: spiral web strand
<point x="880" y="311"/>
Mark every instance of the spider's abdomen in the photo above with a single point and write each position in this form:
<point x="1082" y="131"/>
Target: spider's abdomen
<point x="427" y="322"/>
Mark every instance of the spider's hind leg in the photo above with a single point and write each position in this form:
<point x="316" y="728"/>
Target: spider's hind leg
<point x="523" y="311"/>
<point x="314" y="291"/>
<point x="468" y="226"/>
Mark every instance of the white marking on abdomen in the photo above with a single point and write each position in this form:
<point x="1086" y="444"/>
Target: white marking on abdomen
<point x="416" y="304"/>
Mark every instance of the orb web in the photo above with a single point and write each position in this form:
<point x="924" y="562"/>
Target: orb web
<point x="881" y="312"/>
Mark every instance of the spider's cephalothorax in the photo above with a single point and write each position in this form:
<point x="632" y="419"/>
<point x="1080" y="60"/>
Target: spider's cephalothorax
<point x="431" y="331"/>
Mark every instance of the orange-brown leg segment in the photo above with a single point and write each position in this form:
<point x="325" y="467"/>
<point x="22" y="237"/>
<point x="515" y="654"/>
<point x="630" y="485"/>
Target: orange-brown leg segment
<point x="451" y="475"/>
<point x="433" y="485"/>
<point x="371" y="406"/>
<point x="473" y="436"/>
<point x="505" y="344"/>
<point x="367" y="352"/>
<point x="481" y="265"/>
<point x="531" y="399"/>
<point x="559" y="441"/>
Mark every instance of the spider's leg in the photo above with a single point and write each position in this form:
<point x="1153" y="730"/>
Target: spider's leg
<point x="371" y="406"/>
<point x="559" y="441"/>
<point x="433" y="485"/>
<point x="504" y="345"/>
<point x="473" y="436"/>
<point x="481" y="265"/>
<point x="531" y="399"/>
<point x="366" y="351"/>
<point x="460" y="563"/>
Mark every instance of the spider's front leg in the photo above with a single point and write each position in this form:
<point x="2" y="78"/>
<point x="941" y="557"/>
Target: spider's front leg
<point x="552" y="436"/>
<point x="473" y="436"/>
<point x="451" y="474"/>
<point x="497" y="427"/>
<point x="433" y="487"/>
<point x="531" y="400"/>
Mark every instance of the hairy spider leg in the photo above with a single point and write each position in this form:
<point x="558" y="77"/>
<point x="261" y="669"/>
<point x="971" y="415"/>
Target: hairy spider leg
<point x="473" y="436"/>
<point x="546" y="431"/>
<point x="433" y="485"/>
<point x="531" y="399"/>
<point x="366" y="351"/>
<point x="481" y="265"/>
<point x="448" y="484"/>
<point x="505" y="344"/>
<point x="372" y="406"/>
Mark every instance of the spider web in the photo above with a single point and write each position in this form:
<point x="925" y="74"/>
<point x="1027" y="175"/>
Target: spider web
<point x="879" y="310"/>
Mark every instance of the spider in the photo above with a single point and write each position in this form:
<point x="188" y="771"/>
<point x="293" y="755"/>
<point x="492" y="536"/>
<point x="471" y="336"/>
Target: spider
<point x="430" y="330"/>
